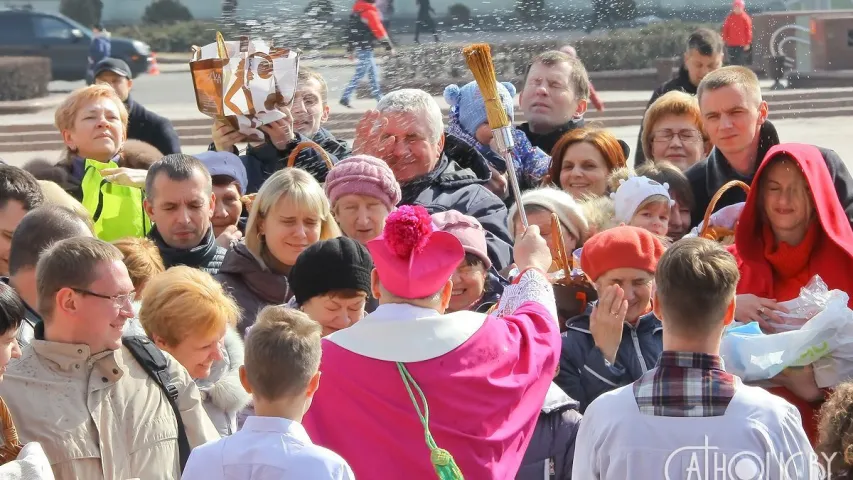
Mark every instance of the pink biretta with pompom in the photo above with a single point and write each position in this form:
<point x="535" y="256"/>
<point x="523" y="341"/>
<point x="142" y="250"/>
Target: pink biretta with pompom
<point x="412" y="259"/>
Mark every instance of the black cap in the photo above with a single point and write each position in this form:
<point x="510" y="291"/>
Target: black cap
<point x="113" y="65"/>
<point x="328" y="265"/>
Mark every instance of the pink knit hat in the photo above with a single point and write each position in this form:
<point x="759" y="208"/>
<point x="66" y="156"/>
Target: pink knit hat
<point x="363" y="175"/>
<point x="412" y="260"/>
<point x="467" y="229"/>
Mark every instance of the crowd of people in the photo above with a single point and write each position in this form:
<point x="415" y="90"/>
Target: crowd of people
<point x="399" y="314"/>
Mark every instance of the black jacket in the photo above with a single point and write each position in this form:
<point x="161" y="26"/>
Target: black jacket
<point x="552" y="446"/>
<point x="585" y="373"/>
<point x="451" y="187"/>
<point x="546" y="141"/>
<point x="207" y="256"/>
<point x="707" y="176"/>
<point x="149" y="127"/>
<point x="28" y="324"/>
<point x="264" y="160"/>
<point x="680" y="82"/>
<point x="331" y="145"/>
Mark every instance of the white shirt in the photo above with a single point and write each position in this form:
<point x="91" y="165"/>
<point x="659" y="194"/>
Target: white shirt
<point x="266" y="448"/>
<point x="759" y="430"/>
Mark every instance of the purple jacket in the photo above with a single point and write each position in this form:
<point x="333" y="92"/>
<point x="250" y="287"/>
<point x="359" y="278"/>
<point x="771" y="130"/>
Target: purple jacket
<point x="552" y="447"/>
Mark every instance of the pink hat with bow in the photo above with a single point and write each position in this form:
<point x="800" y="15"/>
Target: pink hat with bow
<point x="411" y="258"/>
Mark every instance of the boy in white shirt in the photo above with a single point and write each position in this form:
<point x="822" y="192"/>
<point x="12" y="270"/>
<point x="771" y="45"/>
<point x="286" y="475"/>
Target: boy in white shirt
<point x="688" y="417"/>
<point x="281" y="372"/>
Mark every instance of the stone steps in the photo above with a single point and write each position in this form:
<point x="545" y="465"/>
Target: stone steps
<point x="783" y="104"/>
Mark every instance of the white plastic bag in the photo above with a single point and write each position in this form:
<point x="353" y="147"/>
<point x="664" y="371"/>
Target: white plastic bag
<point x="753" y="356"/>
<point x="812" y="300"/>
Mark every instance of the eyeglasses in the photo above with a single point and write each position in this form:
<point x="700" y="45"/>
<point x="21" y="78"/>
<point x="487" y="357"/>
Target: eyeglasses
<point x="686" y="136"/>
<point x="120" y="300"/>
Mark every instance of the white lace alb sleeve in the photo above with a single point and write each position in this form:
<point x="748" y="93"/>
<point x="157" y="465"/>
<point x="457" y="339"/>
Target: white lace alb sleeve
<point x="532" y="287"/>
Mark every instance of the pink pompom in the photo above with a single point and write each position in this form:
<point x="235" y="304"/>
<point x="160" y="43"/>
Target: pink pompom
<point x="407" y="229"/>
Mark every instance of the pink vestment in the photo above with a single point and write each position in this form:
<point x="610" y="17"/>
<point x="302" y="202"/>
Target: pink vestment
<point x="485" y="379"/>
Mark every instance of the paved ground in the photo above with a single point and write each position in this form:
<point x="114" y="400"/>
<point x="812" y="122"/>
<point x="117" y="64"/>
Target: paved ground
<point x="171" y="95"/>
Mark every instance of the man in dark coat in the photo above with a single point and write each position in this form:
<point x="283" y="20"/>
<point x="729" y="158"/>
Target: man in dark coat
<point x="142" y="124"/>
<point x="179" y="201"/>
<point x="304" y="122"/>
<point x="311" y="110"/>
<point x="704" y="55"/>
<point x="554" y="98"/>
<point x="735" y="118"/>
<point x="263" y="160"/>
<point x="407" y="132"/>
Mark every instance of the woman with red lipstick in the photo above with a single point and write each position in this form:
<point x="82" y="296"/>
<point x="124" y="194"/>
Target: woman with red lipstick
<point x="792" y="228"/>
<point x="289" y="213"/>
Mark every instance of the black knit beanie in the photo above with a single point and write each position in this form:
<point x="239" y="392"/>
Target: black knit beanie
<point x="328" y="265"/>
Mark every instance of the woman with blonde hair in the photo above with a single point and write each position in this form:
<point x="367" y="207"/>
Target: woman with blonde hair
<point x="289" y="213"/>
<point x="93" y="124"/>
<point x="673" y="131"/>
<point x="187" y="313"/>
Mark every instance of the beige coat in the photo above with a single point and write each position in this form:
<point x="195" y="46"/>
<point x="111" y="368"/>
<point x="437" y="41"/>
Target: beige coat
<point x="101" y="416"/>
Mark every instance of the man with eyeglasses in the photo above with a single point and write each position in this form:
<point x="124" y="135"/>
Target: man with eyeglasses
<point x="80" y="393"/>
<point x="735" y="119"/>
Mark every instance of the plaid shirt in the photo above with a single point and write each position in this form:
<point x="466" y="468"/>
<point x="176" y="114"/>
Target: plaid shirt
<point x="685" y="384"/>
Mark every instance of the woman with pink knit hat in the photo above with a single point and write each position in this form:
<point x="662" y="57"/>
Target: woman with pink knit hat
<point x="362" y="191"/>
<point x="476" y="285"/>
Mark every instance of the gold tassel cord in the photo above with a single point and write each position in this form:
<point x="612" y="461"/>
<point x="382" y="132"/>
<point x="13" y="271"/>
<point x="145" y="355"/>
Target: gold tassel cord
<point x="442" y="461"/>
<point x="479" y="59"/>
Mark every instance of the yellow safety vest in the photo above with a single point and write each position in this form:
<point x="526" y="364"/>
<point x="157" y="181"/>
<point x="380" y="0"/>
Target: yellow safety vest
<point x="116" y="210"/>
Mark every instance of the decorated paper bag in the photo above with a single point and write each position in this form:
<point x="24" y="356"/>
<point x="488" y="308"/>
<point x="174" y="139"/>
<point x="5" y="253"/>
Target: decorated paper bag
<point x="243" y="82"/>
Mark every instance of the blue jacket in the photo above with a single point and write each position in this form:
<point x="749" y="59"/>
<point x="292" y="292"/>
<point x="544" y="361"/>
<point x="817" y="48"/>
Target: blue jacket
<point x="552" y="447"/>
<point x="585" y="373"/>
<point x="99" y="49"/>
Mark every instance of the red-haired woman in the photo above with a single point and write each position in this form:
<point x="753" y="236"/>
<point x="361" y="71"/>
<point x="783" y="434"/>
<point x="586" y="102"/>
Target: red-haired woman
<point x="583" y="159"/>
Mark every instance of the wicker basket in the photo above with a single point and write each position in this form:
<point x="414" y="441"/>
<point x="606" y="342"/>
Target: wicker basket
<point x="291" y="161"/>
<point x="571" y="293"/>
<point x="723" y="235"/>
<point x="11" y="445"/>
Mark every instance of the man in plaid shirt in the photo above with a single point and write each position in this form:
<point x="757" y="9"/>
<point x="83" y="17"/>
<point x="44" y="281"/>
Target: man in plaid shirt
<point x="688" y="417"/>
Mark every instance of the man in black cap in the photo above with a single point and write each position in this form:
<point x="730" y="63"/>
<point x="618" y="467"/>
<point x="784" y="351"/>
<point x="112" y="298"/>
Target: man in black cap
<point x="142" y="124"/>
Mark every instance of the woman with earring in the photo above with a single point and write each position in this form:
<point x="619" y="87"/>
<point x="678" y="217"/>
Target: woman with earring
<point x="289" y="214"/>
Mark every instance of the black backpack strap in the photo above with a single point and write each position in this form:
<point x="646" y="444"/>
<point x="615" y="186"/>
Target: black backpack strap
<point x="154" y="362"/>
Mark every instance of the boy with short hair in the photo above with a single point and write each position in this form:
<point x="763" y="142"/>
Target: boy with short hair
<point x="281" y="371"/>
<point x="664" y="420"/>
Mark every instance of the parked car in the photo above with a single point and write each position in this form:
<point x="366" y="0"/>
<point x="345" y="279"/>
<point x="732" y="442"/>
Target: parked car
<point x="30" y="33"/>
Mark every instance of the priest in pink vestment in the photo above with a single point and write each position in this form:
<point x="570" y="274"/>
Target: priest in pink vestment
<point x="483" y="377"/>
